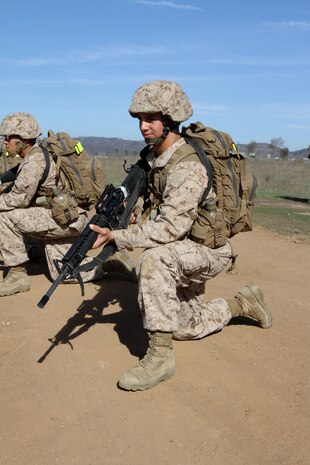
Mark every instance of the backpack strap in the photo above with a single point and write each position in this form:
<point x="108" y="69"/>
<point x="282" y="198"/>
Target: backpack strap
<point x="184" y="152"/>
<point x="244" y="187"/>
<point x="47" y="165"/>
<point x="204" y="160"/>
<point x="219" y="136"/>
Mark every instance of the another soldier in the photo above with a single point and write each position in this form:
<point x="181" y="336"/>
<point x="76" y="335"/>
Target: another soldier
<point x="21" y="217"/>
<point x="174" y="268"/>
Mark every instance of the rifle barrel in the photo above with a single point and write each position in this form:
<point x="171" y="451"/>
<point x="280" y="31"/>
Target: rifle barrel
<point x="46" y="297"/>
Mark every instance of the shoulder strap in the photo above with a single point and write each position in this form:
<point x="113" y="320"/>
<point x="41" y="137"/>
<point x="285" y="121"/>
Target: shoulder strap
<point x="204" y="160"/>
<point x="184" y="152"/>
<point x="47" y="165"/>
<point x="220" y="138"/>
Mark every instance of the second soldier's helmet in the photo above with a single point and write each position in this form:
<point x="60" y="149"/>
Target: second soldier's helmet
<point x="163" y="96"/>
<point x="20" y="124"/>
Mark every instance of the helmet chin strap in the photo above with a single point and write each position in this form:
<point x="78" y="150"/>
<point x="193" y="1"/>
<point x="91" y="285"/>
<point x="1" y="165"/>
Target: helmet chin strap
<point x="166" y="130"/>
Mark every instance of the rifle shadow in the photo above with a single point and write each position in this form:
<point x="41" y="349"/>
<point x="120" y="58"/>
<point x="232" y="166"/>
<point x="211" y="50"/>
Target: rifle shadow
<point x="126" y="319"/>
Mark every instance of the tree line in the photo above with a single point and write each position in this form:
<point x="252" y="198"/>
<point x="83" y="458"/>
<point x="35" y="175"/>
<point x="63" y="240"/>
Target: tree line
<point x="276" y="148"/>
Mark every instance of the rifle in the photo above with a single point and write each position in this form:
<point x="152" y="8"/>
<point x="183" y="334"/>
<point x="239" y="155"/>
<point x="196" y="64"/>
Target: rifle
<point x="113" y="211"/>
<point x="8" y="176"/>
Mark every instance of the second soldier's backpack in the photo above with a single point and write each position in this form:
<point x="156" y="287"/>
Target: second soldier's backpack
<point x="75" y="167"/>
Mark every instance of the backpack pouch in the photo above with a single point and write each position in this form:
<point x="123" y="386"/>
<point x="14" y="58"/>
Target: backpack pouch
<point x="64" y="209"/>
<point x="209" y="229"/>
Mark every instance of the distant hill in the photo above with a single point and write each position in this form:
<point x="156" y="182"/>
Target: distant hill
<point x="303" y="153"/>
<point x="111" y="146"/>
<point x="114" y="146"/>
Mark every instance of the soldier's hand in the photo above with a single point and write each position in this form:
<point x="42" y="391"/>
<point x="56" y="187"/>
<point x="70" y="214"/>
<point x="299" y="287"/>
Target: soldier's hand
<point x="105" y="235"/>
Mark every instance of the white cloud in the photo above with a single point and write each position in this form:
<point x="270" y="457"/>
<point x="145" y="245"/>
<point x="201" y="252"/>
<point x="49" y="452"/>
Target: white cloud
<point x="36" y="62"/>
<point x="210" y="108"/>
<point x="290" y="24"/>
<point x="31" y="82"/>
<point x="98" y="54"/>
<point x="69" y="82"/>
<point x="168" y="4"/>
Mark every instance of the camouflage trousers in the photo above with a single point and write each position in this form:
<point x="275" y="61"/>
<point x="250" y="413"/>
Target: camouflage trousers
<point x="172" y="282"/>
<point x="37" y="222"/>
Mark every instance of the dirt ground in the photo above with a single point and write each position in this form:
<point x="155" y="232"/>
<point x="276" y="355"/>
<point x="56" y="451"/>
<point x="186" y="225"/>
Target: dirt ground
<point x="239" y="397"/>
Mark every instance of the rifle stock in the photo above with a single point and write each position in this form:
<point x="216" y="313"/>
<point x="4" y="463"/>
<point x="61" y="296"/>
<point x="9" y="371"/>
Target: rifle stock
<point x="9" y="175"/>
<point x="8" y="178"/>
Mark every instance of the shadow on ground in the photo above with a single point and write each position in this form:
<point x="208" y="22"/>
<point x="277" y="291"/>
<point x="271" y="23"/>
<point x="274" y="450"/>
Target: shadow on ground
<point x="126" y="319"/>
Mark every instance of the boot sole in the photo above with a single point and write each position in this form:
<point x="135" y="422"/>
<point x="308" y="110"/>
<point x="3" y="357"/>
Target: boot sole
<point x="259" y="297"/>
<point x="144" y="387"/>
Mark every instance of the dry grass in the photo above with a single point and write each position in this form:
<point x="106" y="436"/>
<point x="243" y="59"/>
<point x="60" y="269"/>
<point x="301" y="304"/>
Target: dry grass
<point x="283" y="193"/>
<point x="283" y="197"/>
<point x="114" y="168"/>
<point x="279" y="177"/>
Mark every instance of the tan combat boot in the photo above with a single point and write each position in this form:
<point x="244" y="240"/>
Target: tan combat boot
<point x="15" y="281"/>
<point x="250" y="302"/>
<point x="157" y="365"/>
<point x="119" y="262"/>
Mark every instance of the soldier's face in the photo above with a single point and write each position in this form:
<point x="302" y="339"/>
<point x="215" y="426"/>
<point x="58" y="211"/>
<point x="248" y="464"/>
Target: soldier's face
<point x="11" y="144"/>
<point x="151" y="125"/>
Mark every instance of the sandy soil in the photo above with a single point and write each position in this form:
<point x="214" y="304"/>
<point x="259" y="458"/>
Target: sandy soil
<point x="239" y="397"/>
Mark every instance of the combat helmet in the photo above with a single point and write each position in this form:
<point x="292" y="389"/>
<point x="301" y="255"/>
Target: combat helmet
<point x="20" y="124"/>
<point x="163" y="96"/>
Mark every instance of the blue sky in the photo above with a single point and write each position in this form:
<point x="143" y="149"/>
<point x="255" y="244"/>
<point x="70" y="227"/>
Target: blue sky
<point x="75" y="65"/>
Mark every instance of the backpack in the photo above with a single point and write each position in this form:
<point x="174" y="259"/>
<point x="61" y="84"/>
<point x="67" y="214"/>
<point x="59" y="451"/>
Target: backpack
<point x="234" y="185"/>
<point x="230" y="212"/>
<point x="81" y="172"/>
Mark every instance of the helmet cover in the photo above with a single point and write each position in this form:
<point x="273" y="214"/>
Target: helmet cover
<point x="162" y="96"/>
<point x="20" y="124"/>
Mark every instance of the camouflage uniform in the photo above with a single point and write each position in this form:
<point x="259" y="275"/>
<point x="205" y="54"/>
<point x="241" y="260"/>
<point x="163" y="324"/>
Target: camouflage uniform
<point x="20" y="216"/>
<point x="173" y="270"/>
